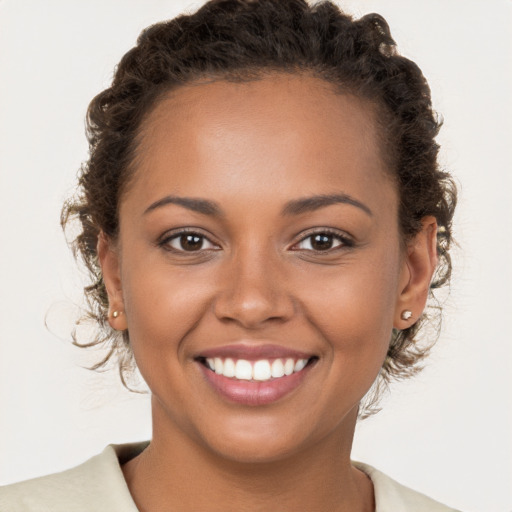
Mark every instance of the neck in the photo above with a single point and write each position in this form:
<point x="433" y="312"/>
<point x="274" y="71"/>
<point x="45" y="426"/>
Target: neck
<point x="175" y="469"/>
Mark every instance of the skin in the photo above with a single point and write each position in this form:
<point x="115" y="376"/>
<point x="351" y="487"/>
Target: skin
<point x="252" y="148"/>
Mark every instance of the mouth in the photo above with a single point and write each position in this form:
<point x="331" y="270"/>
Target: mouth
<point x="262" y="370"/>
<point x="244" y="375"/>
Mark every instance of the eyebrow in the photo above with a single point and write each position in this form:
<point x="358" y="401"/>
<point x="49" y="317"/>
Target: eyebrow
<point x="203" y="206"/>
<point x="295" y="207"/>
<point x="309" y="204"/>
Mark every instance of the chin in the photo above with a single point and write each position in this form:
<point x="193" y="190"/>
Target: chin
<point x="259" y="450"/>
<point x="264" y="439"/>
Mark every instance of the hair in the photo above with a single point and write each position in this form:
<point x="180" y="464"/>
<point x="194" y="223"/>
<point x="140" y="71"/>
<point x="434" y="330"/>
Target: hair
<point x="243" y="40"/>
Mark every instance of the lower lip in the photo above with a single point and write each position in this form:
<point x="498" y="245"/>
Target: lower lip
<point x="248" y="392"/>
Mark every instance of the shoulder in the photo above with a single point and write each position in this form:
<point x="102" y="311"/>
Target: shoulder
<point x="391" y="496"/>
<point x="97" y="484"/>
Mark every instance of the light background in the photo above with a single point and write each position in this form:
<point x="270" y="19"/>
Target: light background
<point x="447" y="433"/>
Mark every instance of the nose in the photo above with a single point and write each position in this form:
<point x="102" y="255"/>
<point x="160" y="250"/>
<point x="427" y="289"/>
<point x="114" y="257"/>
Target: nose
<point x="254" y="291"/>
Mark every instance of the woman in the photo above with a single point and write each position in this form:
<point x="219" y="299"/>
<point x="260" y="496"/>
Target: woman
<point x="263" y="217"/>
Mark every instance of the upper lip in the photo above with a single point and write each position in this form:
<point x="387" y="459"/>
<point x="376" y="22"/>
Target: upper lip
<point x="253" y="352"/>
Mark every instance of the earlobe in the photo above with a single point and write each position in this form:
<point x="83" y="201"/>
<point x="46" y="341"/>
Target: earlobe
<point x="109" y="261"/>
<point x="418" y="268"/>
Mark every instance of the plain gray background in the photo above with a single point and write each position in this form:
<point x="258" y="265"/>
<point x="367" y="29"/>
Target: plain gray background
<point x="446" y="433"/>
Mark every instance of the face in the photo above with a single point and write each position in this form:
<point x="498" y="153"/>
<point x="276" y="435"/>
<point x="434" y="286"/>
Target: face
<point x="259" y="264"/>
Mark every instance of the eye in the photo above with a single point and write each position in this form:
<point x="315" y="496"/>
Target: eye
<point x="322" y="241"/>
<point x="187" y="242"/>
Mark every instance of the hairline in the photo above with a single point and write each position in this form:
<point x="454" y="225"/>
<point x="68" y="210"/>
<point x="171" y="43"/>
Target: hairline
<point x="378" y="114"/>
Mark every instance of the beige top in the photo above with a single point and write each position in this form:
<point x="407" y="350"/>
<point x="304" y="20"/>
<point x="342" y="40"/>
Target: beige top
<point x="98" y="485"/>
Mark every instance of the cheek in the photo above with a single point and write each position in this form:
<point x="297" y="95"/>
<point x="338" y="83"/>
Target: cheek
<point x="353" y="306"/>
<point x="354" y="315"/>
<point x="162" y="307"/>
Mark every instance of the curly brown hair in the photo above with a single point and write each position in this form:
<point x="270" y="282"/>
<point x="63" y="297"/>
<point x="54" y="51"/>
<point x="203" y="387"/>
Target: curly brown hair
<point x="242" y="40"/>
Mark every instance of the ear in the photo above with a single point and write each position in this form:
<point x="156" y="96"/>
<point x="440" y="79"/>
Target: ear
<point x="418" y="267"/>
<point x="108" y="256"/>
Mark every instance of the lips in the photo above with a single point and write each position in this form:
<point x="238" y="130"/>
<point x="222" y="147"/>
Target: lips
<point x="254" y="374"/>
<point x="253" y="352"/>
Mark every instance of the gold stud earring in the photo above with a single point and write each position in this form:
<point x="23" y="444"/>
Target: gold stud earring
<point x="115" y="314"/>
<point x="406" y="314"/>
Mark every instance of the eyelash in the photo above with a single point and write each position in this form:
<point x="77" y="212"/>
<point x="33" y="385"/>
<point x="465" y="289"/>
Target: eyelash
<point x="346" y="242"/>
<point x="168" y="238"/>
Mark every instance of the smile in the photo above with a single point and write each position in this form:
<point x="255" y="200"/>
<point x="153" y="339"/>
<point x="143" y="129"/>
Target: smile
<point x="254" y="375"/>
<point x="261" y="371"/>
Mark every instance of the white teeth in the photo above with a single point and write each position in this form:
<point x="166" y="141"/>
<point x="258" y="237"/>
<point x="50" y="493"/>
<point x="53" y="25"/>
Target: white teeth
<point x="229" y="368"/>
<point x="243" y="370"/>
<point x="219" y="365"/>
<point x="289" y="366"/>
<point x="261" y="370"/>
<point x="277" y="369"/>
<point x="299" y="365"/>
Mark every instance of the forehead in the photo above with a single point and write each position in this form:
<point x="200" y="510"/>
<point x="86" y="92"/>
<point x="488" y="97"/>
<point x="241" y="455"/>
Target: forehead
<point x="291" y="131"/>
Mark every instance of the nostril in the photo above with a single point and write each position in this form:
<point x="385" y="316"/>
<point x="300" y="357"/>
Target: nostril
<point x="252" y="309"/>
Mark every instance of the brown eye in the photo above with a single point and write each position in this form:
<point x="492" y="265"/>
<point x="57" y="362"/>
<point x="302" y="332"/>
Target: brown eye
<point x="188" y="242"/>
<point x="191" y="242"/>
<point x="322" y="242"/>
